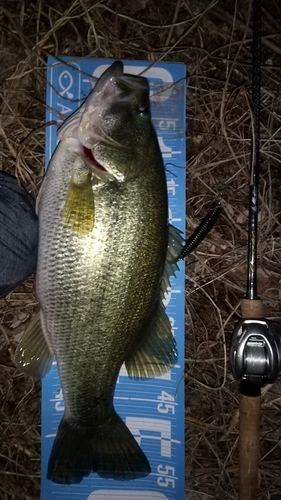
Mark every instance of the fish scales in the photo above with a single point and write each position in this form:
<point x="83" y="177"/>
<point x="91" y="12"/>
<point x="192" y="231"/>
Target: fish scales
<point x="108" y="281"/>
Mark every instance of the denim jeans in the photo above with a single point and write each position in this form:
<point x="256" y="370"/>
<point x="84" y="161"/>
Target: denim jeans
<point x="18" y="234"/>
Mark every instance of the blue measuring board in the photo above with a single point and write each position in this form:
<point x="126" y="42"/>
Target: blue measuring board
<point x="152" y="409"/>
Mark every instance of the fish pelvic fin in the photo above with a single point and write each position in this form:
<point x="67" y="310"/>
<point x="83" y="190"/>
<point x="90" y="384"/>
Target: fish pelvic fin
<point x="157" y="352"/>
<point x="79" y="210"/>
<point x="111" y="451"/>
<point x="33" y="355"/>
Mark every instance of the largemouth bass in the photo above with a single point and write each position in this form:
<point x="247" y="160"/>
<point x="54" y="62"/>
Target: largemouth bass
<point x="106" y="253"/>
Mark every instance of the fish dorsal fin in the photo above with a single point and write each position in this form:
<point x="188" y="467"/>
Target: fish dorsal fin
<point x="175" y="245"/>
<point x="157" y="352"/>
<point x="33" y="355"/>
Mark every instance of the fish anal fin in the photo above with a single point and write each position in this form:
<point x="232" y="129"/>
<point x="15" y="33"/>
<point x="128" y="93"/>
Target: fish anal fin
<point x="33" y="355"/>
<point x="157" y="352"/>
<point x="108" y="449"/>
<point x="79" y="210"/>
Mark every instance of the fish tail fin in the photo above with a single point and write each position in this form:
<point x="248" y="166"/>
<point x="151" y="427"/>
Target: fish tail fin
<point x="111" y="451"/>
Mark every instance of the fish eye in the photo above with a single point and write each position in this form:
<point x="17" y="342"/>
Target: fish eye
<point x="143" y="109"/>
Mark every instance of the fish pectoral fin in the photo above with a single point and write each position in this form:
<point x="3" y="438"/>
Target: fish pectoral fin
<point x="33" y="355"/>
<point x="157" y="352"/>
<point x="79" y="210"/>
<point x="175" y="246"/>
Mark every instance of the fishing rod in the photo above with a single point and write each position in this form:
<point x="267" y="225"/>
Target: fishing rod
<point x="255" y="352"/>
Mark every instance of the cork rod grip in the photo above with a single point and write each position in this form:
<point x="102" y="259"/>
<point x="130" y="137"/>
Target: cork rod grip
<point x="249" y="431"/>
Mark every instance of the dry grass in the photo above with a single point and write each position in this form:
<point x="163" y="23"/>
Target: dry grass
<point x="214" y="40"/>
